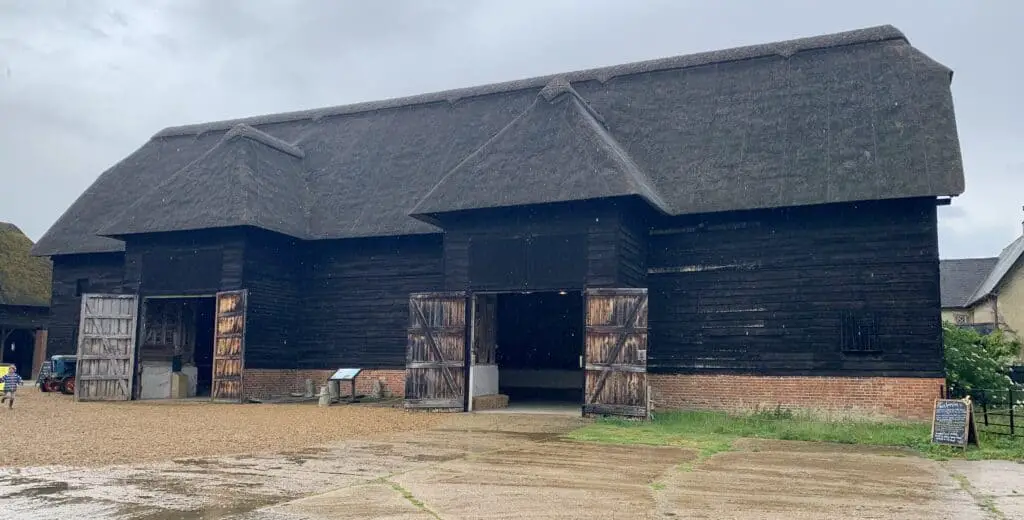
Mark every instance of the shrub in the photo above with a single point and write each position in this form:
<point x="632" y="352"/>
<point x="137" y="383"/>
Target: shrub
<point x="976" y="361"/>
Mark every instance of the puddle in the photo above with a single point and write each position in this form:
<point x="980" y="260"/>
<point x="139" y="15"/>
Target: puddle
<point x="218" y="511"/>
<point x="526" y="436"/>
<point x="197" y="462"/>
<point x="434" y="458"/>
<point x="49" y="488"/>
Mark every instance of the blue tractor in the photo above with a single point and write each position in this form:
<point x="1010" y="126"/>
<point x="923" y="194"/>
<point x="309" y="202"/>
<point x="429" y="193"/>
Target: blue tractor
<point x="58" y="375"/>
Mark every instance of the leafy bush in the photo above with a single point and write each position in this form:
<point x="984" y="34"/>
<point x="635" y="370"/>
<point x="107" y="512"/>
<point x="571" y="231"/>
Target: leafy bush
<point x="976" y="361"/>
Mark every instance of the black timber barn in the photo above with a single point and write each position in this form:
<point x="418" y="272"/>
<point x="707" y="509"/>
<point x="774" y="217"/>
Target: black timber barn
<point x="733" y="229"/>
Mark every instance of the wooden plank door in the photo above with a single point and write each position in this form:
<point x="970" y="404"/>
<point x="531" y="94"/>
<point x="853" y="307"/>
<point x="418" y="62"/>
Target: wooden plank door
<point x="106" y="347"/>
<point x="435" y="361"/>
<point x="229" y="346"/>
<point x="615" y="353"/>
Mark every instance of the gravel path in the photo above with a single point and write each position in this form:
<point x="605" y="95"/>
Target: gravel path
<point x="53" y="430"/>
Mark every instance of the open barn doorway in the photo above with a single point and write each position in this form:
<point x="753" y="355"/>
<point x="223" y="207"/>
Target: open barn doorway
<point x="18" y="349"/>
<point x="175" y="357"/>
<point x="527" y="346"/>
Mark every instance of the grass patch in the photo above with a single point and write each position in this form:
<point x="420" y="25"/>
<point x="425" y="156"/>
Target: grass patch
<point x="407" y="495"/>
<point x="714" y="432"/>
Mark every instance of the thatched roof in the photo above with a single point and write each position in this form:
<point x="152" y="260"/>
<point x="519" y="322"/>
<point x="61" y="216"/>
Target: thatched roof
<point x="854" y="116"/>
<point x="24" y="280"/>
<point x="262" y="187"/>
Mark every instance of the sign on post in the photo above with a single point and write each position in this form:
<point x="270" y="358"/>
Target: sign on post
<point x="347" y="374"/>
<point x="953" y="423"/>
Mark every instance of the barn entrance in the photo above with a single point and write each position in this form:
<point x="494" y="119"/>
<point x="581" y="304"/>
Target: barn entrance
<point x="18" y="349"/>
<point x="175" y="356"/>
<point x="464" y="350"/>
<point x="528" y="347"/>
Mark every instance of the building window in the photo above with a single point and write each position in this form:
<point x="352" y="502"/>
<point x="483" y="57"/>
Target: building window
<point x="963" y="319"/>
<point x="81" y="286"/>
<point x="859" y="332"/>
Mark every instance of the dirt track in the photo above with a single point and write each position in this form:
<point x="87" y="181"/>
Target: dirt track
<point x="53" y="429"/>
<point x="505" y="466"/>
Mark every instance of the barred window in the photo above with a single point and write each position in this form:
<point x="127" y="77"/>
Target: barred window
<point x="859" y="332"/>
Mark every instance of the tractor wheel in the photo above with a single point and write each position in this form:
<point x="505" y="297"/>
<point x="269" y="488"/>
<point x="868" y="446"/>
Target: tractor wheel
<point x="68" y="387"/>
<point x="52" y="385"/>
<point x="42" y="387"/>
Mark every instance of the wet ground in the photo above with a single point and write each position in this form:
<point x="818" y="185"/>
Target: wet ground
<point x="518" y="466"/>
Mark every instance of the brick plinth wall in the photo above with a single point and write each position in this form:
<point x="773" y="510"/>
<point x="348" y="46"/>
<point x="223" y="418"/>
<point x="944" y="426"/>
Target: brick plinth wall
<point x="264" y="383"/>
<point x="898" y="397"/>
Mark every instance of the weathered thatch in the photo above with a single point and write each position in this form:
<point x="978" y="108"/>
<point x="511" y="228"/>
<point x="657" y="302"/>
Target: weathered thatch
<point x="854" y="116"/>
<point x="24" y="279"/>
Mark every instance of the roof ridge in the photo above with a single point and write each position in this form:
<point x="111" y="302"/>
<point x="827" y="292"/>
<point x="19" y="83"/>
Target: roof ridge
<point x="785" y="49"/>
<point x="243" y="130"/>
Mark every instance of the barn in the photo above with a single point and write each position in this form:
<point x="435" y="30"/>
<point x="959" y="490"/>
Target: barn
<point x="24" y="302"/>
<point x="734" y="229"/>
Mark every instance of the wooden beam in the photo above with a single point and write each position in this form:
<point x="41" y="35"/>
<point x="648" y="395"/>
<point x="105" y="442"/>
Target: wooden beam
<point x="4" y="334"/>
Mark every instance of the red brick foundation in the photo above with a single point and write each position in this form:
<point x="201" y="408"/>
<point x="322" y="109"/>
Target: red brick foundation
<point x="262" y="384"/>
<point x="898" y="397"/>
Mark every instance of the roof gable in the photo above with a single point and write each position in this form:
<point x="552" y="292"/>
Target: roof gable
<point x="24" y="280"/>
<point x="1002" y="267"/>
<point x="847" y="117"/>
<point x="248" y="178"/>
<point x="556" y="150"/>
<point x="959" y="278"/>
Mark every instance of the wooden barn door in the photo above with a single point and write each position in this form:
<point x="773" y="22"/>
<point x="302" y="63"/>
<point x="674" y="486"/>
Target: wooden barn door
<point x="435" y="360"/>
<point x="229" y="346"/>
<point x="615" y="353"/>
<point x="106" y="347"/>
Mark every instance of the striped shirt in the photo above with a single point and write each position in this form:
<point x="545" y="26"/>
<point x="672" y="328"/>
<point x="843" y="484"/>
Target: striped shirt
<point x="11" y="380"/>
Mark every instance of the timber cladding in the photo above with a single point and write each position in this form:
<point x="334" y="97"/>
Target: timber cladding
<point x="271" y="275"/>
<point x="546" y="247"/>
<point x="828" y="290"/>
<point x="853" y="397"/>
<point x="355" y="300"/>
<point x="104" y="273"/>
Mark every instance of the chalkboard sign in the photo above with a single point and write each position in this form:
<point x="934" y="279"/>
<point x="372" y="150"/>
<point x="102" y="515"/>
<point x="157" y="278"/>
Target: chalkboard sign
<point x="953" y="423"/>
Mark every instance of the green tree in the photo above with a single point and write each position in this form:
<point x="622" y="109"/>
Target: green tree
<point x="978" y="361"/>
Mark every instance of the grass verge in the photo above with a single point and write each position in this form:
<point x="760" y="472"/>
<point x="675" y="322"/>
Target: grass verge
<point x="714" y="432"/>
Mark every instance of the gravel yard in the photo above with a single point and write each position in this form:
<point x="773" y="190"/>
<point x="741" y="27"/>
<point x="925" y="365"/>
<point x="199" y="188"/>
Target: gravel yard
<point x="51" y="429"/>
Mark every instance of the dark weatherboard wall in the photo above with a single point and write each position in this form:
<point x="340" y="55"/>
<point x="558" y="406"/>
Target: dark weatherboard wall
<point x="545" y="247"/>
<point x="828" y="290"/>
<point x="184" y="263"/>
<point x="355" y="293"/>
<point x="272" y="266"/>
<point x="72" y="276"/>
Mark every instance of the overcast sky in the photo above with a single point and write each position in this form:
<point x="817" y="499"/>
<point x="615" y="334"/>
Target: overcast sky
<point x="85" y="82"/>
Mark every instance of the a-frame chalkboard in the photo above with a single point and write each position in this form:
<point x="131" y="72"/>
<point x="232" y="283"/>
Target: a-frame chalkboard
<point x="953" y="423"/>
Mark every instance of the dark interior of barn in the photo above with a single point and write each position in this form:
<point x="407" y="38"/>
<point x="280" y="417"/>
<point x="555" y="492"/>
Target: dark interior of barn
<point x="540" y="339"/>
<point x="179" y="337"/>
<point x="18" y="347"/>
<point x="203" y="355"/>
